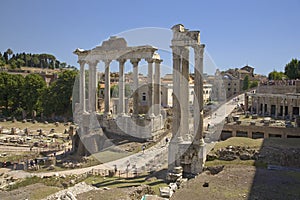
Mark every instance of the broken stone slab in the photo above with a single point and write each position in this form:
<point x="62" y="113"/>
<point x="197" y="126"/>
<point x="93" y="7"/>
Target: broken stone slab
<point x="165" y="192"/>
<point x="215" y="169"/>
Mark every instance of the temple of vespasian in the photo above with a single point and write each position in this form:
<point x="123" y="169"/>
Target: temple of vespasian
<point x="186" y="147"/>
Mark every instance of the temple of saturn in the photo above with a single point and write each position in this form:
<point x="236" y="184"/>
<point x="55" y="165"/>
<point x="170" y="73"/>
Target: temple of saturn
<point x="132" y="124"/>
<point x="187" y="148"/>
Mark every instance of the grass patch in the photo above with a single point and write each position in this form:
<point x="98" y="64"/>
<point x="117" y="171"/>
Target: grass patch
<point x="43" y="192"/>
<point x="108" y="155"/>
<point x="233" y="162"/>
<point x="114" y="182"/>
<point x="240" y="141"/>
<point x="17" y="156"/>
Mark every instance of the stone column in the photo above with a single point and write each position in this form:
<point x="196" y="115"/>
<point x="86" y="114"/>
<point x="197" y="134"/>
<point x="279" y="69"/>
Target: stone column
<point x="257" y="105"/>
<point x="277" y="106"/>
<point x="252" y="105"/>
<point x="198" y="94"/>
<point x="82" y="85"/>
<point x="150" y="87"/>
<point x="249" y="134"/>
<point x="157" y="92"/>
<point x="107" y="87"/>
<point x="184" y="92"/>
<point x="176" y="91"/>
<point x="269" y="105"/>
<point x="290" y="109"/>
<point x="233" y="133"/>
<point x="246" y="101"/>
<point x="135" y="63"/>
<point x="121" y="107"/>
<point x="263" y="108"/>
<point x="92" y="86"/>
<point x="283" y="108"/>
<point x="173" y="147"/>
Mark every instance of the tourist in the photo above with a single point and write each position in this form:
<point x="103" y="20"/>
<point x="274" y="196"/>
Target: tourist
<point x="143" y="147"/>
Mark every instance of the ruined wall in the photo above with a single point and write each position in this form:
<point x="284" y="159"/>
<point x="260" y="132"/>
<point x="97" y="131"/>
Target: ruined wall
<point x="277" y="89"/>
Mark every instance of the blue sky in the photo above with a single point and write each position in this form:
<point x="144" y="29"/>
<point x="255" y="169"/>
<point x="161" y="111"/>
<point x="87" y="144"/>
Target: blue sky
<point x="265" y="34"/>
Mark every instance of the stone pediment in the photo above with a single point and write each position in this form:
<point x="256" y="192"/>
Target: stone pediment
<point x="114" y="43"/>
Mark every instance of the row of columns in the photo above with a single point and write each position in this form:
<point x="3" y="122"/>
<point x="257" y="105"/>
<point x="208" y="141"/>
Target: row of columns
<point x="181" y="92"/>
<point x="264" y="104"/>
<point x="154" y="83"/>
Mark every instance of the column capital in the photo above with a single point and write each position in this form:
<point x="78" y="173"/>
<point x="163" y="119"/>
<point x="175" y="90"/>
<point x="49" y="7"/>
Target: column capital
<point x="92" y="62"/>
<point x="107" y="61"/>
<point x="149" y="60"/>
<point x="158" y="61"/>
<point x="121" y="60"/>
<point x="81" y="62"/>
<point x="135" y="61"/>
<point x="199" y="48"/>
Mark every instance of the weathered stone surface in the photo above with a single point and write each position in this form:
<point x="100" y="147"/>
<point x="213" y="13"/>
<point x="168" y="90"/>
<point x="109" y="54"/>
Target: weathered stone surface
<point x="215" y="169"/>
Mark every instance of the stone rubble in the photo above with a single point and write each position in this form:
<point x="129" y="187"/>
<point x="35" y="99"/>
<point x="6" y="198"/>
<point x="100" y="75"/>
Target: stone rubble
<point x="72" y="192"/>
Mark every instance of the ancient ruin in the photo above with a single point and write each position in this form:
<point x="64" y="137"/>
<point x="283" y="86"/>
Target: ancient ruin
<point x="187" y="148"/>
<point x="125" y="123"/>
<point x="184" y="151"/>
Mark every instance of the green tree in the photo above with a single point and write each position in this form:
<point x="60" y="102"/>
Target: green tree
<point x="274" y="75"/>
<point x="292" y="69"/>
<point x="32" y="90"/>
<point x="114" y="91"/>
<point x="4" y="91"/>
<point x="20" y="62"/>
<point x="253" y="84"/>
<point x="246" y="82"/>
<point x="10" y="92"/>
<point x="9" y="52"/>
<point x="15" y="94"/>
<point x="2" y="64"/>
<point x="59" y="94"/>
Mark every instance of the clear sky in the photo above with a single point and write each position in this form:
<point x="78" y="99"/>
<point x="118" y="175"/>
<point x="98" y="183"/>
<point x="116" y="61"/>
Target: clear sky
<point x="263" y="33"/>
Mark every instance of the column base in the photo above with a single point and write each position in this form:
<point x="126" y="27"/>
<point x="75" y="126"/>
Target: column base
<point x="122" y="114"/>
<point x="151" y="116"/>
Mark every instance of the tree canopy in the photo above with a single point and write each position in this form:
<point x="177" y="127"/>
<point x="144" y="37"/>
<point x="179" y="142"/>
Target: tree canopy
<point x="246" y="82"/>
<point x="275" y="75"/>
<point x="19" y="60"/>
<point x="292" y="69"/>
<point x="30" y="93"/>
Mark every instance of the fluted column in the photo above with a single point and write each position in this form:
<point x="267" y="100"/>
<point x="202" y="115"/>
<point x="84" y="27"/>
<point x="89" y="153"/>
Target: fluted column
<point x="157" y="84"/>
<point x="198" y="97"/>
<point x="82" y="85"/>
<point x="92" y="85"/>
<point x="176" y="92"/>
<point x="135" y="63"/>
<point x="107" y="87"/>
<point x="184" y="91"/>
<point x="150" y="87"/>
<point x="121" y="107"/>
